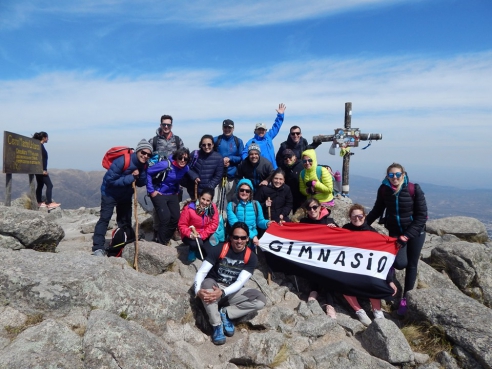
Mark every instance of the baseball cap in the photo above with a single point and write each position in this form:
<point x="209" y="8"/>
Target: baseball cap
<point x="261" y="125"/>
<point x="288" y="152"/>
<point x="228" y="123"/>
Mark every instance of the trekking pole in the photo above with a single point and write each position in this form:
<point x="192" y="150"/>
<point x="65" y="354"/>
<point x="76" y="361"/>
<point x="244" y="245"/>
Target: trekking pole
<point x="196" y="191"/>
<point x="269" y="210"/>
<point x="135" y="203"/>
<point x="196" y="239"/>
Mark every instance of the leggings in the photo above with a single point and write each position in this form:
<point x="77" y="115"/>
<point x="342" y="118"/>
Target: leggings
<point x="42" y="181"/>
<point x="408" y="259"/>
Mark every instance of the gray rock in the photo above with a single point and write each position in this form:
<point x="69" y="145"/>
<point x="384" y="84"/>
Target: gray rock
<point x="384" y="340"/>
<point x="30" y="228"/>
<point x="87" y="228"/>
<point x="431" y="365"/>
<point x="446" y="360"/>
<point x="49" y="344"/>
<point x="464" y="359"/>
<point x="420" y="358"/>
<point x="468" y="265"/>
<point x="113" y="342"/>
<point x="316" y="326"/>
<point x="153" y="258"/>
<point x="12" y="243"/>
<point x="465" y="321"/>
<point x="465" y="228"/>
<point x="352" y="326"/>
<point x="428" y="277"/>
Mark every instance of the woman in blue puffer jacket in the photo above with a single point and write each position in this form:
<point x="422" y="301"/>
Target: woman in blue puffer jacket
<point x="164" y="192"/>
<point x="242" y="209"/>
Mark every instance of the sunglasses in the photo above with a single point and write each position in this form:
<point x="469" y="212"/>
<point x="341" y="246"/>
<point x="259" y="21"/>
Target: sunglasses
<point x="183" y="158"/>
<point x="207" y="145"/>
<point x="355" y="217"/>
<point x="145" y="153"/>
<point x="314" y="207"/>
<point x="166" y="125"/>
<point x="287" y="157"/>
<point x="393" y="175"/>
<point x="242" y="238"/>
<point x="245" y="190"/>
<point x="308" y="161"/>
<point x="295" y="133"/>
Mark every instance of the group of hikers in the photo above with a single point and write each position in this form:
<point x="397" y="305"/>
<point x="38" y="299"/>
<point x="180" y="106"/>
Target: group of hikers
<point x="259" y="187"/>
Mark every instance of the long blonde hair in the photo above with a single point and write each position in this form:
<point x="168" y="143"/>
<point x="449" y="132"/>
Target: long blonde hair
<point x="399" y="166"/>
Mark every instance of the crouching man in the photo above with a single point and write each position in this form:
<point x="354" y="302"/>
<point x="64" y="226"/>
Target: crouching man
<point x="220" y="281"/>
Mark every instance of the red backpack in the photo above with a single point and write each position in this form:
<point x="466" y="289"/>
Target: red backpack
<point x="225" y="249"/>
<point x="116" y="152"/>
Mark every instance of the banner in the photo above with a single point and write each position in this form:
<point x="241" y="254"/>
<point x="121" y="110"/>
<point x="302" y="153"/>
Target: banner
<point x="352" y="263"/>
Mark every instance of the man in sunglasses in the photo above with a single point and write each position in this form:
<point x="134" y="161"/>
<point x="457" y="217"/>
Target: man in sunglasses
<point x="165" y="141"/>
<point x="296" y="143"/>
<point x="117" y="192"/>
<point x="219" y="283"/>
<point x="264" y="137"/>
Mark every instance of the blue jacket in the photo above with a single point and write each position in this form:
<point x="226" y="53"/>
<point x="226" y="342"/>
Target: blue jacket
<point x="266" y="142"/>
<point x="245" y="212"/>
<point x="170" y="185"/>
<point x="118" y="183"/>
<point x="208" y="167"/>
<point x="227" y="148"/>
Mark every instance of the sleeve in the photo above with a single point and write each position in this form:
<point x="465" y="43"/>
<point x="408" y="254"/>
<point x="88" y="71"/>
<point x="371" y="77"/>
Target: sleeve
<point x="419" y="214"/>
<point x="184" y="222"/>
<point x="201" y="274"/>
<point x="211" y="226"/>
<point x="302" y="185"/>
<point x="231" y="216"/>
<point x="261" y="222"/>
<point x="313" y="145"/>
<point x="378" y="208"/>
<point x="325" y="183"/>
<point x="273" y="132"/>
<point x="142" y="178"/>
<point x="181" y="144"/>
<point x="218" y="172"/>
<point x="289" y="203"/>
<point x="279" y="157"/>
<point x="116" y="176"/>
<point x="241" y="280"/>
<point x="244" y="154"/>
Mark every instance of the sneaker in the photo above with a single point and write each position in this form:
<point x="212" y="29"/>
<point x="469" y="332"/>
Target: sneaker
<point x="402" y="309"/>
<point x="191" y="255"/>
<point x="41" y="204"/>
<point x="330" y="311"/>
<point x="218" y="337"/>
<point x="364" y="319"/>
<point x="229" y="328"/>
<point x="378" y="314"/>
<point x="99" y="252"/>
<point x="53" y="205"/>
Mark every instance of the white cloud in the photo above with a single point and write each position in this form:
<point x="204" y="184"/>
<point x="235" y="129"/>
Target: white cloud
<point x="433" y="113"/>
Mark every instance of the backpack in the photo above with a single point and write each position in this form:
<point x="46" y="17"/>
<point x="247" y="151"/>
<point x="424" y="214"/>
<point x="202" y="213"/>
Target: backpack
<point x="154" y="142"/>
<point x="116" y="152"/>
<point x="319" y="173"/>
<point x="219" y="139"/>
<point x="225" y="249"/>
<point x="120" y="237"/>
<point x="159" y="177"/>
<point x="219" y="234"/>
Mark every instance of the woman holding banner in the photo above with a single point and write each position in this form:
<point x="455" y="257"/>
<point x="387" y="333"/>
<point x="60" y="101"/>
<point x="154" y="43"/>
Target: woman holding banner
<point x="44" y="179"/>
<point x="406" y="215"/>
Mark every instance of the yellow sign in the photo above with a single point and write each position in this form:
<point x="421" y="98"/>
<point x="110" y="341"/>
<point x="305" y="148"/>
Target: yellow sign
<point x="21" y="154"/>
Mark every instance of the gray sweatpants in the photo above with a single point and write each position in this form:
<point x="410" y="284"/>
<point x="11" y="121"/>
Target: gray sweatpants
<point x="241" y="303"/>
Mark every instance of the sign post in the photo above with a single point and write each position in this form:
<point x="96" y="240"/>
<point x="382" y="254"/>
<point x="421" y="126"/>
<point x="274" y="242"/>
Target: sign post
<point x="346" y="138"/>
<point x="21" y="155"/>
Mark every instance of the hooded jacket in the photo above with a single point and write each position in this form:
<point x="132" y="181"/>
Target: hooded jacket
<point x="266" y="142"/>
<point x="281" y="200"/>
<point x="245" y="212"/>
<point x="323" y="186"/>
<point x="254" y="172"/>
<point x="405" y="215"/>
<point x="204" y="224"/>
<point x="297" y="148"/>
<point x="118" y="183"/>
<point x="170" y="185"/>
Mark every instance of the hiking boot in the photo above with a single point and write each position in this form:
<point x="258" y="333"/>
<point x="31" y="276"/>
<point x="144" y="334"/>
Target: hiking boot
<point x="402" y="309"/>
<point x="378" y="314"/>
<point x="191" y="255"/>
<point x="176" y="236"/>
<point x="229" y="328"/>
<point x="330" y="311"/>
<point x="52" y="205"/>
<point x="218" y="337"/>
<point x="100" y="252"/>
<point x="364" y="319"/>
<point x="41" y="205"/>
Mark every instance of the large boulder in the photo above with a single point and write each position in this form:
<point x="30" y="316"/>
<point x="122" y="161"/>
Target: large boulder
<point x="468" y="265"/>
<point x="466" y="228"/>
<point x="31" y="228"/>
<point x="153" y="258"/>
<point x="465" y="321"/>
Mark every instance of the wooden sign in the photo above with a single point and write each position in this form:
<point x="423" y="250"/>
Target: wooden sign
<point x="21" y="154"/>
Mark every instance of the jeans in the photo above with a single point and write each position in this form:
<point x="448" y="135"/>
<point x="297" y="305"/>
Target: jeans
<point x="42" y="181"/>
<point x="123" y="218"/>
<point x="167" y="210"/>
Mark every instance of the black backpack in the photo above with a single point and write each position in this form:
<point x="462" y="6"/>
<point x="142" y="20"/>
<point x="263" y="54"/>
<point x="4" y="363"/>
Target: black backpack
<point x="119" y="239"/>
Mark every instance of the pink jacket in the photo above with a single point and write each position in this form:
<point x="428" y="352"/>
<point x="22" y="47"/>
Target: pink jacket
<point x="204" y="225"/>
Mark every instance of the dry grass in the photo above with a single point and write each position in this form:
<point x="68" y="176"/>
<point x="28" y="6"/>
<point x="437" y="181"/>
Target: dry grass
<point x="30" y="321"/>
<point x="282" y="355"/>
<point x="422" y="285"/>
<point x="26" y="200"/>
<point x="427" y="338"/>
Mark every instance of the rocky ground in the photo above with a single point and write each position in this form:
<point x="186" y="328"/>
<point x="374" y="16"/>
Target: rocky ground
<point x="67" y="309"/>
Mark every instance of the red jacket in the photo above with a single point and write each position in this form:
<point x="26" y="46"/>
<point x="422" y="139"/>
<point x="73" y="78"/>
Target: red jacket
<point x="204" y="225"/>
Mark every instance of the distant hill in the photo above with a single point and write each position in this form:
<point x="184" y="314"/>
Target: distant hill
<point x="75" y="188"/>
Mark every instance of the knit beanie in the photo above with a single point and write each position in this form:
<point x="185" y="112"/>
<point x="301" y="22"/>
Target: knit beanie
<point x="144" y="144"/>
<point x="254" y="146"/>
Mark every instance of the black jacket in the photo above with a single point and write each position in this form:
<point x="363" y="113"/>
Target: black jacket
<point x="255" y="173"/>
<point x="281" y="200"/>
<point x="292" y="180"/>
<point x="363" y="227"/>
<point x="405" y="214"/>
<point x="298" y="148"/>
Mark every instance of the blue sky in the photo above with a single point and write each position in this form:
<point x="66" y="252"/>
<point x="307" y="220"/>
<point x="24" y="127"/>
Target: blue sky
<point x="96" y="74"/>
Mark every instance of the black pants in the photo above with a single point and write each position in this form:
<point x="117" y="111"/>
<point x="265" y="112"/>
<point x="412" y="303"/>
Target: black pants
<point x="167" y="210"/>
<point x="205" y="246"/>
<point x="408" y="259"/>
<point x="42" y="181"/>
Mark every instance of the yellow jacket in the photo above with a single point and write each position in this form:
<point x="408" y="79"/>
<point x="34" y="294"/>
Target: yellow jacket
<point x="323" y="186"/>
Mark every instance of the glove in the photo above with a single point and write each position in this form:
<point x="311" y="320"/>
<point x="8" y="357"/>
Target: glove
<point x="400" y="243"/>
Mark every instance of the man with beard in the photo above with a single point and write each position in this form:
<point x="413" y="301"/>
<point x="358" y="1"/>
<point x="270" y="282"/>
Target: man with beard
<point x="296" y="143"/>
